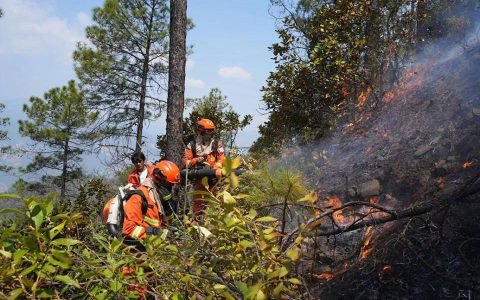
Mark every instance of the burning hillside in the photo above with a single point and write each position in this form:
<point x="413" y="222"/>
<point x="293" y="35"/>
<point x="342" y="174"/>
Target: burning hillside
<point x="397" y="207"/>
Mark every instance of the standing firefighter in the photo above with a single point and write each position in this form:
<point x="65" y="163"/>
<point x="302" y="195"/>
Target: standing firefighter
<point x="204" y="151"/>
<point x="141" y="171"/>
<point x="144" y="214"/>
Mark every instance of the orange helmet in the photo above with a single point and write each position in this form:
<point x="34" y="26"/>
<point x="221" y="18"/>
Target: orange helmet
<point x="205" y="124"/>
<point x="168" y="170"/>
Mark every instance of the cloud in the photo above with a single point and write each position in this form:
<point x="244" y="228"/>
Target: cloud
<point x="190" y="63"/>
<point x="30" y="28"/>
<point x="194" y="83"/>
<point x="234" y="72"/>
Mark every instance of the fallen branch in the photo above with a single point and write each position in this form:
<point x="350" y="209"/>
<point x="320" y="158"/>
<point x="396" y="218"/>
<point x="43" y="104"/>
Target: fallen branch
<point x="393" y="215"/>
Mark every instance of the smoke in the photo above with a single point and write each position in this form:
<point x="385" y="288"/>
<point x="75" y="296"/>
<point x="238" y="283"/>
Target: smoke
<point x="413" y="139"/>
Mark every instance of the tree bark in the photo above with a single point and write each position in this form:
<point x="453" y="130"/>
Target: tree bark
<point x="176" y="80"/>
<point x="64" y="171"/>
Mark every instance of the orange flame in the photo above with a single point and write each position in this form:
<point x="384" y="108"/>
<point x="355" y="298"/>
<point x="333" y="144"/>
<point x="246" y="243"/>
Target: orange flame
<point x="388" y="97"/>
<point x="386" y="268"/>
<point x="366" y="248"/>
<point x="364" y="96"/>
<point x="468" y="164"/>
<point x="330" y="275"/>
<point x="374" y="200"/>
<point x="440" y="182"/>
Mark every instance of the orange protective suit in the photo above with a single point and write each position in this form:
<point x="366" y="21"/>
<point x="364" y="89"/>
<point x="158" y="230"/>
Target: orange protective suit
<point x="213" y="154"/>
<point x="136" y="224"/>
<point x="135" y="180"/>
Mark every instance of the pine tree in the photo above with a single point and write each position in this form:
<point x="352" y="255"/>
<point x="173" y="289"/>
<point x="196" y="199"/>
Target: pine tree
<point x="59" y="122"/>
<point x="124" y="67"/>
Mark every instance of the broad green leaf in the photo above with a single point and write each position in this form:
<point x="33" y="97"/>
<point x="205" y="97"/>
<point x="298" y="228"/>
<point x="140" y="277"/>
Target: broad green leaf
<point x="233" y="180"/>
<point x="172" y="248"/>
<point x="116" y="244"/>
<point x="49" y="268"/>
<point x="227" y="166"/>
<point x="107" y="273"/>
<point x="261" y="295"/>
<point x="29" y="270"/>
<point x="310" y="198"/>
<point x="252" y="214"/>
<point x="37" y="215"/>
<point x="236" y="162"/>
<point x="278" y="289"/>
<point x="283" y="272"/>
<point x="6" y="254"/>
<point x="67" y="280"/>
<point x="10" y="211"/>
<point x="219" y="286"/>
<point x="243" y="288"/>
<point x="205" y="182"/>
<point x="15" y="293"/>
<point x="115" y="286"/>
<point x="295" y="281"/>
<point x="228" y="199"/>
<point x="206" y="233"/>
<point x="56" y="230"/>
<point x="246" y="244"/>
<point x="9" y="196"/>
<point x="18" y="255"/>
<point x="266" y="219"/>
<point x="65" y="242"/>
<point x="293" y="253"/>
<point x="241" y="196"/>
<point x="253" y="290"/>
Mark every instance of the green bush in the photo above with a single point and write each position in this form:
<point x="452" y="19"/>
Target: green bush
<point x="50" y="252"/>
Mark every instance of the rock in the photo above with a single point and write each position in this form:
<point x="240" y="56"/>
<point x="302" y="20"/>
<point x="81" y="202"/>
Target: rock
<point x="422" y="150"/>
<point x="369" y="188"/>
<point x="352" y="192"/>
<point x="435" y="140"/>
<point x="441" y="164"/>
<point x="476" y="111"/>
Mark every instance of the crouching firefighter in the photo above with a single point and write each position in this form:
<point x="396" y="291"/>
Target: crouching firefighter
<point x="141" y="212"/>
<point x="204" y="151"/>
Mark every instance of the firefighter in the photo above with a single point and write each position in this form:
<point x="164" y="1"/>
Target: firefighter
<point x="144" y="217"/>
<point x="141" y="171"/>
<point x="204" y="151"/>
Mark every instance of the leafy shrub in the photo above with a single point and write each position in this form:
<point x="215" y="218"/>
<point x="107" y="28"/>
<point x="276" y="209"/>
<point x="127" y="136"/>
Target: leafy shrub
<point x="232" y="253"/>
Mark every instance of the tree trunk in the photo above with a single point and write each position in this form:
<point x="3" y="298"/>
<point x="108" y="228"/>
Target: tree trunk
<point x="176" y="80"/>
<point x="143" y="92"/>
<point x="64" y="171"/>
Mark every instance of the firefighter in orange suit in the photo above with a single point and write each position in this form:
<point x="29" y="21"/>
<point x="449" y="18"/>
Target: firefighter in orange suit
<point x="138" y="222"/>
<point x="205" y="150"/>
<point x="141" y="172"/>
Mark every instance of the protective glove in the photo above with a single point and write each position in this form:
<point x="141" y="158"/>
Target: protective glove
<point x="152" y="231"/>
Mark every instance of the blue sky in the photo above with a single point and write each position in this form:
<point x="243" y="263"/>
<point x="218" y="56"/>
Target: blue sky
<point x="230" y="42"/>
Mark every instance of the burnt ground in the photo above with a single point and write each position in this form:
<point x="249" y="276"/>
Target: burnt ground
<point x="413" y="151"/>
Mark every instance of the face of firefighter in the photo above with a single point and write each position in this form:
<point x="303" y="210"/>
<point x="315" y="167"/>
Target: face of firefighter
<point x="207" y="134"/>
<point x="139" y="165"/>
<point x="160" y="181"/>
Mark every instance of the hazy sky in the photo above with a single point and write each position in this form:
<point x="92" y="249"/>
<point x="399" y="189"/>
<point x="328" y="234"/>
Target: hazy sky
<point x="230" y="41"/>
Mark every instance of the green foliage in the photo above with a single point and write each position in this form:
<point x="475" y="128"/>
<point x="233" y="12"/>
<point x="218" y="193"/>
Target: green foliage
<point x="215" y="107"/>
<point x="331" y="52"/>
<point x="60" y="122"/>
<point x="55" y="252"/>
<point x="273" y="186"/>
<point x="125" y="65"/>
<point x="4" y="150"/>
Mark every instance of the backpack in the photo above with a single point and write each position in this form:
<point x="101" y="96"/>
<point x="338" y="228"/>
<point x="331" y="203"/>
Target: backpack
<point x="113" y="213"/>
